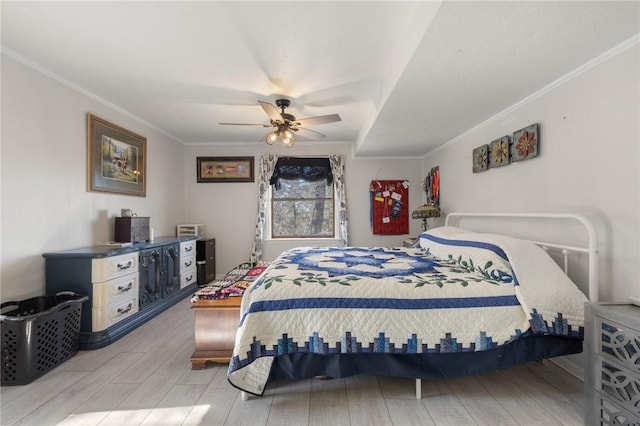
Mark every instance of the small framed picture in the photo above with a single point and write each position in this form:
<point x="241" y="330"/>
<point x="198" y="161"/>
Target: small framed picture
<point x="225" y="169"/>
<point x="499" y="152"/>
<point x="480" y="158"/>
<point x="525" y="143"/>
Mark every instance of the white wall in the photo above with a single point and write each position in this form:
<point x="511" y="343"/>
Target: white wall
<point x="228" y="210"/>
<point x="589" y="163"/>
<point x="45" y="204"/>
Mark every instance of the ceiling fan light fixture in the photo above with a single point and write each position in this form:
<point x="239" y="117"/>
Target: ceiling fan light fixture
<point x="287" y="134"/>
<point x="288" y="138"/>
<point x="286" y="125"/>
<point x="288" y="143"/>
<point x="272" y="137"/>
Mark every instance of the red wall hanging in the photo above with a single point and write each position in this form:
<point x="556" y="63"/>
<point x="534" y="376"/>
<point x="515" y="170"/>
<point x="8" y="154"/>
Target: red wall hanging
<point x="389" y="207"/>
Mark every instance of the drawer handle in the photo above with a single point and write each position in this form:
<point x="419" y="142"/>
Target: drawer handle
<point x="188" y="248"/>
<point x="125" y="289"/>
<point x="187" y="264"/>
<point x="189" y="278"/>
<point x="123" y="266"/>
<point x="122" y="311"/>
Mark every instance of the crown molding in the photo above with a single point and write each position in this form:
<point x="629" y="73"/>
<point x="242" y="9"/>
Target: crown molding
<point x="45" y="71"/>
<point x="616" y="50"/>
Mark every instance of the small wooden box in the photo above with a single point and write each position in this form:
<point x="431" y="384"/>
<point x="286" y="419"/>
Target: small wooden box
<point x="132" y="229"/>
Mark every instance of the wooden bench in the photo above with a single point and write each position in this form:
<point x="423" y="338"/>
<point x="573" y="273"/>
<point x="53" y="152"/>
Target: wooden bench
<point x="216" y="322"/>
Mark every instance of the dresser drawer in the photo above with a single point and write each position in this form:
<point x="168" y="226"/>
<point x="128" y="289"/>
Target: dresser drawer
<point x="108" y="268"/>
<point x="210" y="271"/>
<point x="188" y="277"/>
<point x="187" y="262"/>
<point x="620" y="385"/>
<point x="619" y="343"/>
<point x="612" y="414"/>
<point x="105" y="292"/>
<point x="187" y="248"/>
<point x="206" y="249"/>
<point x="117" y="310"/>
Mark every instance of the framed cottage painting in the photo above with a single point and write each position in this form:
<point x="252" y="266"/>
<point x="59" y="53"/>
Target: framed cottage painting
<point x="525" y="143"/>
<point x="116" y="159"/>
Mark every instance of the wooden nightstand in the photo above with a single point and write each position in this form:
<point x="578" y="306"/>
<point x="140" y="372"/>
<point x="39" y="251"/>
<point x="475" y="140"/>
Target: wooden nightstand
<point x="216" y="322"/>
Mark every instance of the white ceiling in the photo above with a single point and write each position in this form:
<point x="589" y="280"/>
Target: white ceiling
<point x="404" y="76"/>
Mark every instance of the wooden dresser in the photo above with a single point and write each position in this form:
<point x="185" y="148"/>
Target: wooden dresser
<point x="612" y="343"/>
<point x="126" y="286"/>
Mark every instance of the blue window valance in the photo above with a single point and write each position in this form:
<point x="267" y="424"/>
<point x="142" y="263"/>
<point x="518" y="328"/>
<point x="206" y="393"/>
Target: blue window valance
<point x="308" y="169"/>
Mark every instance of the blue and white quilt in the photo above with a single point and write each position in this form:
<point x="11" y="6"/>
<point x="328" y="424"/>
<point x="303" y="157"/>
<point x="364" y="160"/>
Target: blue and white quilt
<point x="458" y="292"/>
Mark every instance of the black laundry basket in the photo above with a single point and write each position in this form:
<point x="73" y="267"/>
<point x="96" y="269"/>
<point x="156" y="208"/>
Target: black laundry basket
<point x="38" y="334"/>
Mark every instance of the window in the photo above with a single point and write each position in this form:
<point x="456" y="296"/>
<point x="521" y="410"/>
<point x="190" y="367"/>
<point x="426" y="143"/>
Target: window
<point x="302" y="199"/>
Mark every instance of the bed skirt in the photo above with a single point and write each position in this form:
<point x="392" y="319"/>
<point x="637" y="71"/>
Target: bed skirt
<point x="297" y="366"/>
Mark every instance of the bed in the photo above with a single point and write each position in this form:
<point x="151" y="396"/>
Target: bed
<point x="461" y="303"/>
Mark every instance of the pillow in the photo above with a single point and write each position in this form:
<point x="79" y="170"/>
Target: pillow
<point x="472" y="251"/>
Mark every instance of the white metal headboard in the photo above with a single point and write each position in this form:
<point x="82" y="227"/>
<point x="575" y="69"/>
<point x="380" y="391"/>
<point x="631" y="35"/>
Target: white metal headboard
<point x="591" y="249"/>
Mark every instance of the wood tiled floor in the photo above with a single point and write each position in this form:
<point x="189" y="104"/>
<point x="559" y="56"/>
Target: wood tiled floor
<point x="145" y="378"/>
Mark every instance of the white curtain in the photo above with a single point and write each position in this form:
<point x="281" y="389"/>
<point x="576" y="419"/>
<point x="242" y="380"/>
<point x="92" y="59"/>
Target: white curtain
<point x="265" y="170"/>
<point x="337" y="169"/>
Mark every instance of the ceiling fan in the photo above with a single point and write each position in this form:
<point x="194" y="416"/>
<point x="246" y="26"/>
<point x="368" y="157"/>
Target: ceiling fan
<point x="286" y="125"/>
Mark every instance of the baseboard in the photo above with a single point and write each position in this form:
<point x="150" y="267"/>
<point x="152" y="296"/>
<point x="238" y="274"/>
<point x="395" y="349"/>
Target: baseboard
<point x="571" y="367"/>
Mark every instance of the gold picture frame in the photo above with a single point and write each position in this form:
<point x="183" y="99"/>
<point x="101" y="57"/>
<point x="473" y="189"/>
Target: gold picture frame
<point x="116" y="159"/>
<point x="225" y="169"/>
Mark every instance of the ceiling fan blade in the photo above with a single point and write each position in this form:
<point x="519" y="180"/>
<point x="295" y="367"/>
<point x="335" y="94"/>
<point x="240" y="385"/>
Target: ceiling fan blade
<point x="308" y="133"/>
<point x="271" y="111"/>
<point x="244" y="124"/>
<point x="321" y="119"/>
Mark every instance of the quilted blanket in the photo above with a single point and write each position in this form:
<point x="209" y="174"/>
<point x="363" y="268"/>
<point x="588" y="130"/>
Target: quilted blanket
<point x="233" y="284"/>
<point x="458" y="292"/>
